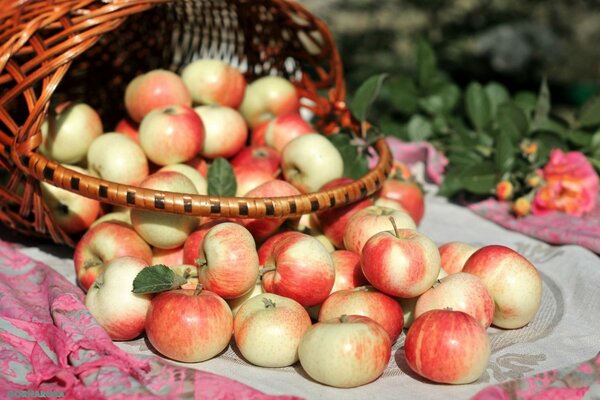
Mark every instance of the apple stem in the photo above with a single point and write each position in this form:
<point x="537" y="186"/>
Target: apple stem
<point x="190" y="273"/>
<point x="393" y="221"/>
<point x="264" y="270"/>
<point x="198" y="289"/>
<point x="269" y="303"/>
<point x="200" y="262"/>
<point x="344" y="318"/>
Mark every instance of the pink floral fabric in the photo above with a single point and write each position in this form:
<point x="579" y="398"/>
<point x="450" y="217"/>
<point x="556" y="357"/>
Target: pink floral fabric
<point x="49" y="343"/>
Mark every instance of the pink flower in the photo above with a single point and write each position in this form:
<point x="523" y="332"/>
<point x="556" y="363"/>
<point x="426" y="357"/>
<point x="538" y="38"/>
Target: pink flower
<point x="571" y="185"/>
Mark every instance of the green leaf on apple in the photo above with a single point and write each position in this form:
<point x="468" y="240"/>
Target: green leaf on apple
<point x="156" y="279"/>
<point x="221" y="178"/>
<point x="355" y="162"/>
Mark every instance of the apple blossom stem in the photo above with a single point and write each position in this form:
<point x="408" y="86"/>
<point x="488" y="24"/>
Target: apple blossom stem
<point x="269" y="303"/>
<point x="393" y="221"/>
<point x="198" y="289"/>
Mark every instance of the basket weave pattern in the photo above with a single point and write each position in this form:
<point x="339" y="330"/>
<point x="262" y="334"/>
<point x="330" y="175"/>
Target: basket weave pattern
<point x="52" y="51"/>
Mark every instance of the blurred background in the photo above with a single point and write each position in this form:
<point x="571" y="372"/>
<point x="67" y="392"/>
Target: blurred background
<point x="513" y="42"/>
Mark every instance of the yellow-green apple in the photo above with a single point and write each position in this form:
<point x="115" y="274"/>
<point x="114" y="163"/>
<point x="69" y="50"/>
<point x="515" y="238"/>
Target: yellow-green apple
<point x="160" y="229"/>
<point x="406" y="192"/>
<point x="225" y="131"/>
<point x="105" y="242"/>
<point x="268" y="329"/>
<point x="211" y="81"/>
<point x="367" y="301"/>
<point x="454" y="255"/>
<point x="368" y="221"/>
<point x="281" y="130"/>
<point x="72" y="212"/>
<point x="249" y="177"/>
<point x="117" y="215"/>
<point x="192" y="247"/>
<point x="401" y="263"/>
<point x="128" y="128"/>
<point x="345" y="352"/>
<point x="301" y="268"/>
<point x="268" y="97"/>
<point x="112" y="302"/>
<point x="154" y="89"/>
<point x="117" y="158"/>
<point x="459" y="292"/>
<point x="189" y="325"/>
<point x="172" y="134"/>
<point x="66" y="136"/>
<point x="228" y="263"/>
<point x="334" y="220"/>
<point x="259" y="157"/>
<point x="199" y="181"/>
<point x="236" y="303"/>
<point x="447" y="347"/>
<point x="262" y="228"/>
<point x="310" y="161"/>
<point x="389" y="203"/>
<point x="512" y="280"/>
<point x="168" y="257"/>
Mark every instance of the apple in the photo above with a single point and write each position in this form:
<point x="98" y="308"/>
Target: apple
<point x="225" y="131"/>
<point x="101" y="244"/>
<point x="447" y="347"/>
<point x="268" y="97"/>
<point x="365" y="300"/>
<point x="214" y="82"/>
<point x="259" y="157"/>
<point x="249" y="178"/>
<point x="128" y="128"/>
<point x="192" y="247"/>
<point x="345" y="352"/>
<point x="187" y="271"/>
<point x="236" y="303"/>
<point x="310" y="161"/>
<point x="368" y="221"/>
<point x="262" y="228"/>
<point x="348" y="271"/>
<point x="112" y="303"/>
<point x="454" y="255"/>
<point x="459" y="292"/>
<point x="281" y="130"/>
<point x="266" y="247"/>
<point x="118" y="215"/>
<point x="512" y="280"/>
<point x="406" y="192"/>
<point x="117" y="158"/>
<point x="155" y="89"/>
<point x="168" y="257"/>
<point x="67" y="136"/>
<point x="301" y="268"/>
<point x="172" y="134"/>
<point x="199" y="164"/>
<point x="189" y="325"/>
<point x="389" y="203"/>
<point x="199" y="181"/>
<point x="401" y="263"/>
<point x="228" y="264"/>
<point x="72" y="212"/>
<point x="333" y="221"/>
<point x="161" y="229"/>
<point x="268" y="329"/>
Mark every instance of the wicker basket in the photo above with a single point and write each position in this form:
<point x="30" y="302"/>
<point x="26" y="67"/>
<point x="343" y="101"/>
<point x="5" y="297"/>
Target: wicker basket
<point x="54" y="50"/>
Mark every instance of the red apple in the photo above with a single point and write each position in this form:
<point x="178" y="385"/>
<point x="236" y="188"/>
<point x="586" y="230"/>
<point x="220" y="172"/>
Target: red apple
<point x="455" y="254"/>
<point x="189" y="325"/>
<point x="365" y="300"/>
<point x="214" y="82"/>
<point x="512" y="280"/>
<point x="266" y="248"/>
<point x="348" y="272"/>
<point x="249" y="178"/>
<point x="103" y="243"/>
<point x="128" y="128"/>
<point x="301" y="268"/>
<point x="225" y="131"/>
<point x="168" y="257"/>
<point x="154" y="89"/>
<point x="284" y="128"/>
<point x="192" y="247"/>
<point x="259" y="157"/>
<point x="402" y="263"/>
<point x="408" y="193"/>
<point x="447" y="347"/>
<point x="267" y="97"/>
<point x="199" y="164"/>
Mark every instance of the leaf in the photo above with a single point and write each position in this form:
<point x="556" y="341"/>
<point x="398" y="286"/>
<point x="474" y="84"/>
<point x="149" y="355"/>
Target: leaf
<point x="156" y="279"/>
<point x="551" y="125"/>
<point x="403" y="93"/>
<point x="546" y="141"/>
<point x="580" y="138"/>
<point x="392" y="127"/>
<point x="426" y="64"/>
<point x="355" y="164"/>
<point x="221" y="178"/>
<point x="589" y="115"/>
<point x="443" y="99"/>
<point x="504" y="156"/>
<point x="512" y="121"/>
<point x="525" y="101"/>
<point x="497" y="94"/>
<point x="476" y="179"/>
<point x="542" y="107"/>
<point x="366" y="95"/>
<point x="478" y="106"/>
<point x="419" y="128"/>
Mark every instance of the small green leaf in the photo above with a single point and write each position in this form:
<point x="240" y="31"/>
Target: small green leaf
<point x="589" y="115"/>
<point x="504" y="156"/>
<point x="221" y="178"/>
<point x="512" y="121"/>
<point x="476" y="179"/>
<point x="442" y="99"/>
<point x="547" y="141"/>
<point x="497" y="94"/>
<point x="551" y="125"/>
<point x="402" y="93"/>
<point x="526" y="101"/>
<point x="391" y="127"/>
<point x="426" y="64"/>
<point x="355" y="164"/>
<point x="155" y="279"/>
<point x="542" y="107"/>
<point x="580" y="138"/>
<point x="478" y="106"/>
<point x="365" y="96"/>
<point x="419" y="128"/>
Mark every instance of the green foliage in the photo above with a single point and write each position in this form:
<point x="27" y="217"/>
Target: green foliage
<point x="221" y="179"/>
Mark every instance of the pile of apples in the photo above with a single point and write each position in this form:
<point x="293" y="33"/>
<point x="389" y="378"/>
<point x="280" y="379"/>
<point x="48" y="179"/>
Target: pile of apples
<point x="333" y="290"/>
